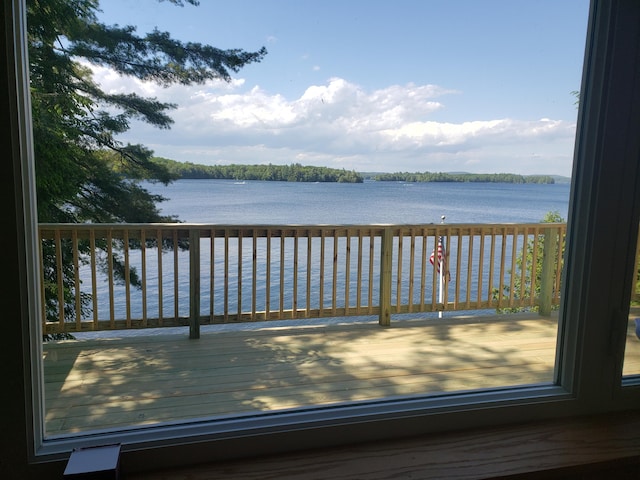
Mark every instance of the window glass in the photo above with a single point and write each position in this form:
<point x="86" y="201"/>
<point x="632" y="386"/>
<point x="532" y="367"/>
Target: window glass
<point x="375" y="208"/>
<point x="632" y="347"/>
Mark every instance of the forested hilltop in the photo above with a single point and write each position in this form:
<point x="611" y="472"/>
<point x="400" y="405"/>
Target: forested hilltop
<point x="305" y="173"/>
<point x="284" y="173"/>
<point x="463" y="177"/>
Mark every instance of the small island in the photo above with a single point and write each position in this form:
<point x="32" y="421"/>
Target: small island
<point x="463" y="177"/>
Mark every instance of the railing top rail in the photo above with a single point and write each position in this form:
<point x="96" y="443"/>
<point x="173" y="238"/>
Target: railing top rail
<point x="82" y="230"/>
<point x="286" y="225"/>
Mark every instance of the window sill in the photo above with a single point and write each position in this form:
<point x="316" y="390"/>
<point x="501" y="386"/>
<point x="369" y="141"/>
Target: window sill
<point x="603" y="446"/>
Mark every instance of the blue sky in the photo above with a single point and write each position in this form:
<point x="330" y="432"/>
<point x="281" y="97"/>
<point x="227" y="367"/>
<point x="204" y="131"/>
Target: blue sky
<point x="478" y="86"/>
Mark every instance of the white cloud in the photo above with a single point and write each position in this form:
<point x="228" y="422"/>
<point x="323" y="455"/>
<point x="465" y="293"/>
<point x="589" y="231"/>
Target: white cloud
<point x="343" y="125"/>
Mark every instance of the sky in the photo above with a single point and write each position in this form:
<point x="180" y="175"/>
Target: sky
<point x="372" y="86"/>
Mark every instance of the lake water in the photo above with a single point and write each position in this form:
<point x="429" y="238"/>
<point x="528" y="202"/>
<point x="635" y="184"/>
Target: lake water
<point x="260" y="202"/>
<point x="257" y="202"/>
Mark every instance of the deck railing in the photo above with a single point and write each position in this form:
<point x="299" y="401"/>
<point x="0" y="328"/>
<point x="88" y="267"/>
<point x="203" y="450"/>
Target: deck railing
<point x="123" y="276"/>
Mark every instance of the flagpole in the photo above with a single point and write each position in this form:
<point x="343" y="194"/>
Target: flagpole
<point x="441" y="275"/>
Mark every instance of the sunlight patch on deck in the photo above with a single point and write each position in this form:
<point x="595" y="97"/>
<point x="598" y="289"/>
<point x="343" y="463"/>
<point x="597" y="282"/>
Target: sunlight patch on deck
<point x="133" y="381"/>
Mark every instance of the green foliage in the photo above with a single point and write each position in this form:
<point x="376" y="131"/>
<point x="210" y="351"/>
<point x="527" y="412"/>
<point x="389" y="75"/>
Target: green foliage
<point x="83" y="172"/>
<point x="76" y="123"/>
<point x="283" y="173"/>
<point x="463" y="177"/>
<point x="526" y="262"/>
<point x="576" y="93"/>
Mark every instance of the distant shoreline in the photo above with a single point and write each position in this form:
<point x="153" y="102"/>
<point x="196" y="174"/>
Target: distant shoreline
<point x="313" y="174"/>
<point x="431" y="177"/>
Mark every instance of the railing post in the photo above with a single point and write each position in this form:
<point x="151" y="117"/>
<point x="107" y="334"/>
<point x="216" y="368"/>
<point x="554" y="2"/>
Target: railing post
<point x="548" y="269"/>
<point x="386" y="251"/>
<point x="194" y="283"/>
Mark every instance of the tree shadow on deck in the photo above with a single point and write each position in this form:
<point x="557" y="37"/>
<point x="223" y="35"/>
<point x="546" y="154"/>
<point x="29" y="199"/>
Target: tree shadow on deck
<point x="134" y="381"/>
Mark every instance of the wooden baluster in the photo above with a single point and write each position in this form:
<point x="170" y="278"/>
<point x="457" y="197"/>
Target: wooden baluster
<point x="254" y="274"/>
<point x="239" y="282"/>
<point x="127" y="278"/>
<point x="386" y="251"/>
<point x="548" y="264"/>
<point x="194" y="283"/>
<point x="76" y="280"/>
<point x="160" y="278"/>
<point x="309" y="253"/>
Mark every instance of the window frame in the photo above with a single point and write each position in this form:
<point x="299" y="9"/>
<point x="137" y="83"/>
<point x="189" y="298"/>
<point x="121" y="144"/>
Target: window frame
<point x="605" y="179"/>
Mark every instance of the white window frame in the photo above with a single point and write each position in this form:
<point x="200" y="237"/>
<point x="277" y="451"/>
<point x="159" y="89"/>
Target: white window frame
<point x="603" y="223"/>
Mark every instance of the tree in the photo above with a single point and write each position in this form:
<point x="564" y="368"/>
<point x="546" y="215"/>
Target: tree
<point x="526" y="262"/>
<point x="76" y="124"/>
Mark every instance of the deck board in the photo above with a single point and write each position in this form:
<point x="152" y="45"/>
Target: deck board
<point x="139" y="380"/>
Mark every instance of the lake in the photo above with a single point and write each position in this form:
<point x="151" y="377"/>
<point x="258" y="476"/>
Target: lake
<point x="259" y="202"/>
<point x="262" y="202"/>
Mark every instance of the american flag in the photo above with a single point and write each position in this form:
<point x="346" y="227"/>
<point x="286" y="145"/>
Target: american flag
<point x="441" y="258"/>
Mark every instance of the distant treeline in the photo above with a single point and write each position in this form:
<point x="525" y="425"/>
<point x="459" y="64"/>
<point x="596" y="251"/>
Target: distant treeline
<point x="463" y="177"/>
<point x="284" y="173"/>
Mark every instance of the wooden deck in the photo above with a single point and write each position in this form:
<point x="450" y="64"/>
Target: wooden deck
<point x="141" y="380"/>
